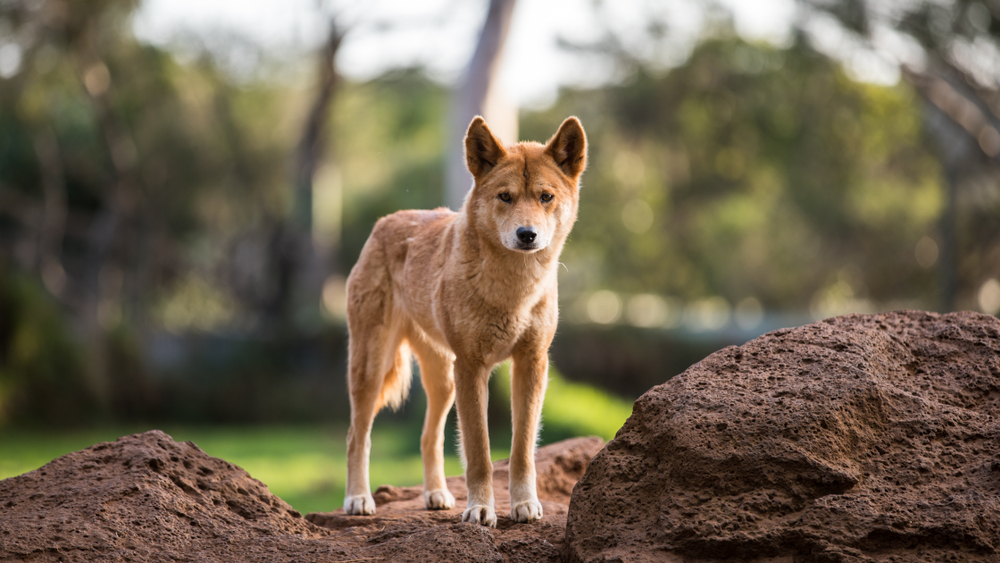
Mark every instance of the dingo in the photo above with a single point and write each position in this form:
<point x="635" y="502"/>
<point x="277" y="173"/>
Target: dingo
<point x="465" y="291"/>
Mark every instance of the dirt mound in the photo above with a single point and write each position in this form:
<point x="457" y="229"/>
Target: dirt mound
<point x="147" y="498"/>
<point x="860" y="438"/>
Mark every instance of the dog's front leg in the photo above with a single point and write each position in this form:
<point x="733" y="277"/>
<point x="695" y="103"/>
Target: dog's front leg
<point x="472" y="394"/>
<point x="529" y="377"/>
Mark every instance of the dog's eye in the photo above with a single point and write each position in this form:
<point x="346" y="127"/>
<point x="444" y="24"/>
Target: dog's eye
<point x="504" y="197"/>
<point x="546" y="197"/>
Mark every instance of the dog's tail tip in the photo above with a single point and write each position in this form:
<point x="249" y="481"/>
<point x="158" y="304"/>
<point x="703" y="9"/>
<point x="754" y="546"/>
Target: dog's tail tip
<point x="396" y="384"/>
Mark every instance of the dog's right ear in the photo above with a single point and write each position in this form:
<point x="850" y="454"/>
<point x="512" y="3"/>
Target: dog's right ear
<point x="482" y="149"/>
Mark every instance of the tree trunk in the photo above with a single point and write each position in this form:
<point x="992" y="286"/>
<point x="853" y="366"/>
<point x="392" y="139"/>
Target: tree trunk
<point x="50" y="239"/>
<point x="954" y="116"/>
<point x="312" y="259"/>
<point x="478" y="94"/>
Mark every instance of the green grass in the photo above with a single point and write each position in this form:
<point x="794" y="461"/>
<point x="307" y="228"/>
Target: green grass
<point x="571" y="409"/>
<point x="306" y="465"/>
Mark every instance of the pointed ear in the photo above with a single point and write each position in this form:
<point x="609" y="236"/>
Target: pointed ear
<point x="568" y="147"/>
<point x="482" y="149"/>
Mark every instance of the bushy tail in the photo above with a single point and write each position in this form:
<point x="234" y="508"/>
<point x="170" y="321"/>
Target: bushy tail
<point x="396" y="384"/>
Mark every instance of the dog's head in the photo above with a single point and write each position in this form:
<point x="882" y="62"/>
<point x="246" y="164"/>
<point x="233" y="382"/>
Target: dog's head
<point x="525" y="195"/>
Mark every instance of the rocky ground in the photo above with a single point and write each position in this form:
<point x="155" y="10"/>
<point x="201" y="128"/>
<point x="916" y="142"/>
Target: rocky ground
<point x="401" y="530"/>
<point x="858" y="439"/>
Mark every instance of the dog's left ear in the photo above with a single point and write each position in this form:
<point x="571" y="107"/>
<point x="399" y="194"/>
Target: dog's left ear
<point x="568" y="147"/>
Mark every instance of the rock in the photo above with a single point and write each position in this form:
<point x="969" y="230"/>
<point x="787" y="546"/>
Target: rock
<point x="856" y="439"/>
<point x="147" y="498"/>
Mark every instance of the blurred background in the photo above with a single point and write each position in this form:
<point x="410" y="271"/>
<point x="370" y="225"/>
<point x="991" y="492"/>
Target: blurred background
<point x="185" y="185"/>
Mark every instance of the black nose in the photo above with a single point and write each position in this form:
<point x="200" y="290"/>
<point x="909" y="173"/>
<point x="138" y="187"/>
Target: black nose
<point x="526" y="234"/>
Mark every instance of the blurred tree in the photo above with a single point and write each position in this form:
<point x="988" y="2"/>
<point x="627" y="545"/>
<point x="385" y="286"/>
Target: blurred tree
<point x="112" y="166"/>
<point x="958" y="74"/>
<point x="145" y="191"/>
<point x="147" y="194"/>
<point x="390" y="136"/>
<point x="312" y="254"/>
<point x="40" y="364"/>
<point x="751" y="172"/>
<point x="478" y="94"/>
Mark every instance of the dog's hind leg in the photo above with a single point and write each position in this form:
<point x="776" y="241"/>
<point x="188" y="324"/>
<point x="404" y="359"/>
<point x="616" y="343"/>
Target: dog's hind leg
<point x="437" y="376"/>
<point x="378" y="375"/>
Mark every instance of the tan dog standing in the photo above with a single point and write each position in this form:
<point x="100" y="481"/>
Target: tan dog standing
<point x="465" y="291"/>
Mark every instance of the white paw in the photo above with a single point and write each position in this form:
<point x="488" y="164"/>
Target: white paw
<point x="527" y="511"/>
<point x="359" y="504"/>
<point x="480" y="514"/>
<point x="439" y="499"/>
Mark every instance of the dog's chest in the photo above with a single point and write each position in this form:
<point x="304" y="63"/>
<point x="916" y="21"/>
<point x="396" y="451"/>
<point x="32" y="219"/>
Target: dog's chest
<point x="490" y="330"/>
<point x="500" y="329"/>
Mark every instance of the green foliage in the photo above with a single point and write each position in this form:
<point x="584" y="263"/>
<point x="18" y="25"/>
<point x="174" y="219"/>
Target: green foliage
<point x="389" y="142"/>
<point x="42" y="373"/>
<point x="46" y="379"/>
<point x="768" y="173"/>
<point x="163" y="167"/>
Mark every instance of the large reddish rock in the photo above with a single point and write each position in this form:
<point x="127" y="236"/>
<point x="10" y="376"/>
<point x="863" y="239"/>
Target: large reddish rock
<point x="147" y="498"/>
<point x="860" y="438"/>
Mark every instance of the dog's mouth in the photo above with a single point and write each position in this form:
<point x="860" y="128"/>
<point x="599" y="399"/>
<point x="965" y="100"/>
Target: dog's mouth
<point x="527" y="247"/>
